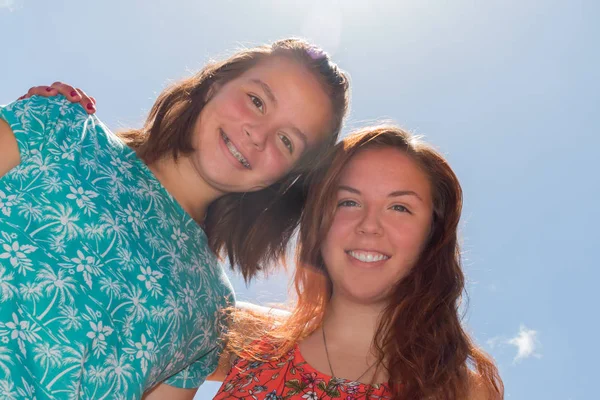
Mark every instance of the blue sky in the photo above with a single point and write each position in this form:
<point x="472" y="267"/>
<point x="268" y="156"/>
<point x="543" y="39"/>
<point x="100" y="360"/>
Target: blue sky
<point x="508" y="90"/>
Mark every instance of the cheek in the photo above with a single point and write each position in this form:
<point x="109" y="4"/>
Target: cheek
<point x="340" y="227"/>
<point x="330" y="256"/>
<point x="232" y="106"/>
<point x="409" y="239"/>
<point x="275" y="166"/>
<point x="239" y="108"/>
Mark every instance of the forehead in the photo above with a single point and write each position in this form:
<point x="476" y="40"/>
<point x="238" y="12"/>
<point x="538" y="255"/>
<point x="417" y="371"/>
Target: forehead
<point x="383" y="170"/>
<point x="301" y="98"/>
<point x="278" y="66"/>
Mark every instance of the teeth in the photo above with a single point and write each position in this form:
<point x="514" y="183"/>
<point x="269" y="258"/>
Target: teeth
<point x="234" y="151"/>
<point x="368" y="257"/>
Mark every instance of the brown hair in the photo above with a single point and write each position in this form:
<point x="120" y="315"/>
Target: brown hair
<point x="420" y="340"/>
<point x="253" y="228"/>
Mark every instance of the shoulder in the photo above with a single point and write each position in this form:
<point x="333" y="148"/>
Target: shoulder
<point x="480" y="389"/>
<point x="37" y="118"/>
<point x="262" y="310"/>
<point x="250" y="326"/>
<point x="40" y="108"/>
<point x="28" y="126"/>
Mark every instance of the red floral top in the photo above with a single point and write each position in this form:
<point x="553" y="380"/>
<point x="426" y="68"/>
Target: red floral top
<point x="291" y="377"/>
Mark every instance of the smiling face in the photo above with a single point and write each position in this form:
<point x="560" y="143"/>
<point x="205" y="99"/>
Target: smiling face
<point x="257" y="126"/>
<point x="382" y="220"/>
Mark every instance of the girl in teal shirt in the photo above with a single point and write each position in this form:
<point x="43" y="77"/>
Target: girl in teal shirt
<point x="109" y="283"/>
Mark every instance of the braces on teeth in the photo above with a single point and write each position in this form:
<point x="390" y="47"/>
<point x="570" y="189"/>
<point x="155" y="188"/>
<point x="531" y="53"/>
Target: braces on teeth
<point x="234" y="151"/>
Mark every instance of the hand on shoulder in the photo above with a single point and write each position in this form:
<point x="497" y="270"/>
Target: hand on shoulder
<point x="74" y="95"/>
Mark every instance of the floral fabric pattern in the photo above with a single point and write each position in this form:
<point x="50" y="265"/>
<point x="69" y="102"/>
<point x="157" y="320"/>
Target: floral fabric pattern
<point x="107" y="286"/>
<point x="291" y="377"/>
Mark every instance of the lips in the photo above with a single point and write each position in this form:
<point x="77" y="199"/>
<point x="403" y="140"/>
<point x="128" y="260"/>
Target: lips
<point x="367" y="256"/>
<point x="234" y="150"/>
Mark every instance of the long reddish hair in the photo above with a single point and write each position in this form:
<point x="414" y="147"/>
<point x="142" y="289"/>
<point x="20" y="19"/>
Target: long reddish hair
<point x="420" y="339"/>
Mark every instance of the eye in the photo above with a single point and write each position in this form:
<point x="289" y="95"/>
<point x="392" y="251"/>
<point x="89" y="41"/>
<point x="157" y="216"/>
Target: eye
<point x="287" y="143"/>
<point x="258" y="103"/>
<point x="347" y="203"/>
<point x="401" y="208"/>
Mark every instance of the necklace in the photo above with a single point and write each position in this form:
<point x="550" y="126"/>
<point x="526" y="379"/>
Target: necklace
<point x="329" y="361"/>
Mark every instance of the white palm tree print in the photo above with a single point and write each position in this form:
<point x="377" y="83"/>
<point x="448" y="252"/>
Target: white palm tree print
<point x="48" y="355"/>
<point x="106" y="285"/>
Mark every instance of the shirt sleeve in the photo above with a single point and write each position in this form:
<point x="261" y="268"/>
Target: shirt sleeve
<point x="196" y="373"/>
<point x="42" y="127"/>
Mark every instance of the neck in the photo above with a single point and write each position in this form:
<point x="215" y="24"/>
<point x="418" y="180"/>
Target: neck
<point x="343" y="346"/>
<point x="181" y="180"/>
<point x="352" y="324"/>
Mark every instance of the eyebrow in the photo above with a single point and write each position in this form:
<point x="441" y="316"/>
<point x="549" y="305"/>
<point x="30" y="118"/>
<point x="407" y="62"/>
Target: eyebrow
<point x="396" y="193"/>
<point x="301" y="135"/>
<point x="266" y="89"/>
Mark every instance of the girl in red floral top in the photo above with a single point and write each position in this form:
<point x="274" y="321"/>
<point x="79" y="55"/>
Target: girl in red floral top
<point x="378" y="283"/>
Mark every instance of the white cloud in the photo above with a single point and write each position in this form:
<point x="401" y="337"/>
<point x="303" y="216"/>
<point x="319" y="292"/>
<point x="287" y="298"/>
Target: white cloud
<point x="526" y="343"/>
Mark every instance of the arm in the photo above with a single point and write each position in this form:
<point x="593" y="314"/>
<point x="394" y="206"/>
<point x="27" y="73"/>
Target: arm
<point x="9" y="149"/>
<point x="163" y="391"/>
<point x="225" y="365"/>
<point x="269" y="311"/>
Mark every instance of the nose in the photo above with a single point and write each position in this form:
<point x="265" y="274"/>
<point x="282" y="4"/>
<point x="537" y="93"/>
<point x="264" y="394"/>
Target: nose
<point x="258" y="136"/>
<point x="370" y="224"/>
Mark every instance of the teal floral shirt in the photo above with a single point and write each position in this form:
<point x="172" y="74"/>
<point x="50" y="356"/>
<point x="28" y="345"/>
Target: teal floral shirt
<point x="107" y="286"/>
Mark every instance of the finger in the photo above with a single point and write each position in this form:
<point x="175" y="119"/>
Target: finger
<point x="86" y="102"/>
<point x="45" y="91"/>
<point x="68" y="91"/>
<point x="93" y="99"/>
